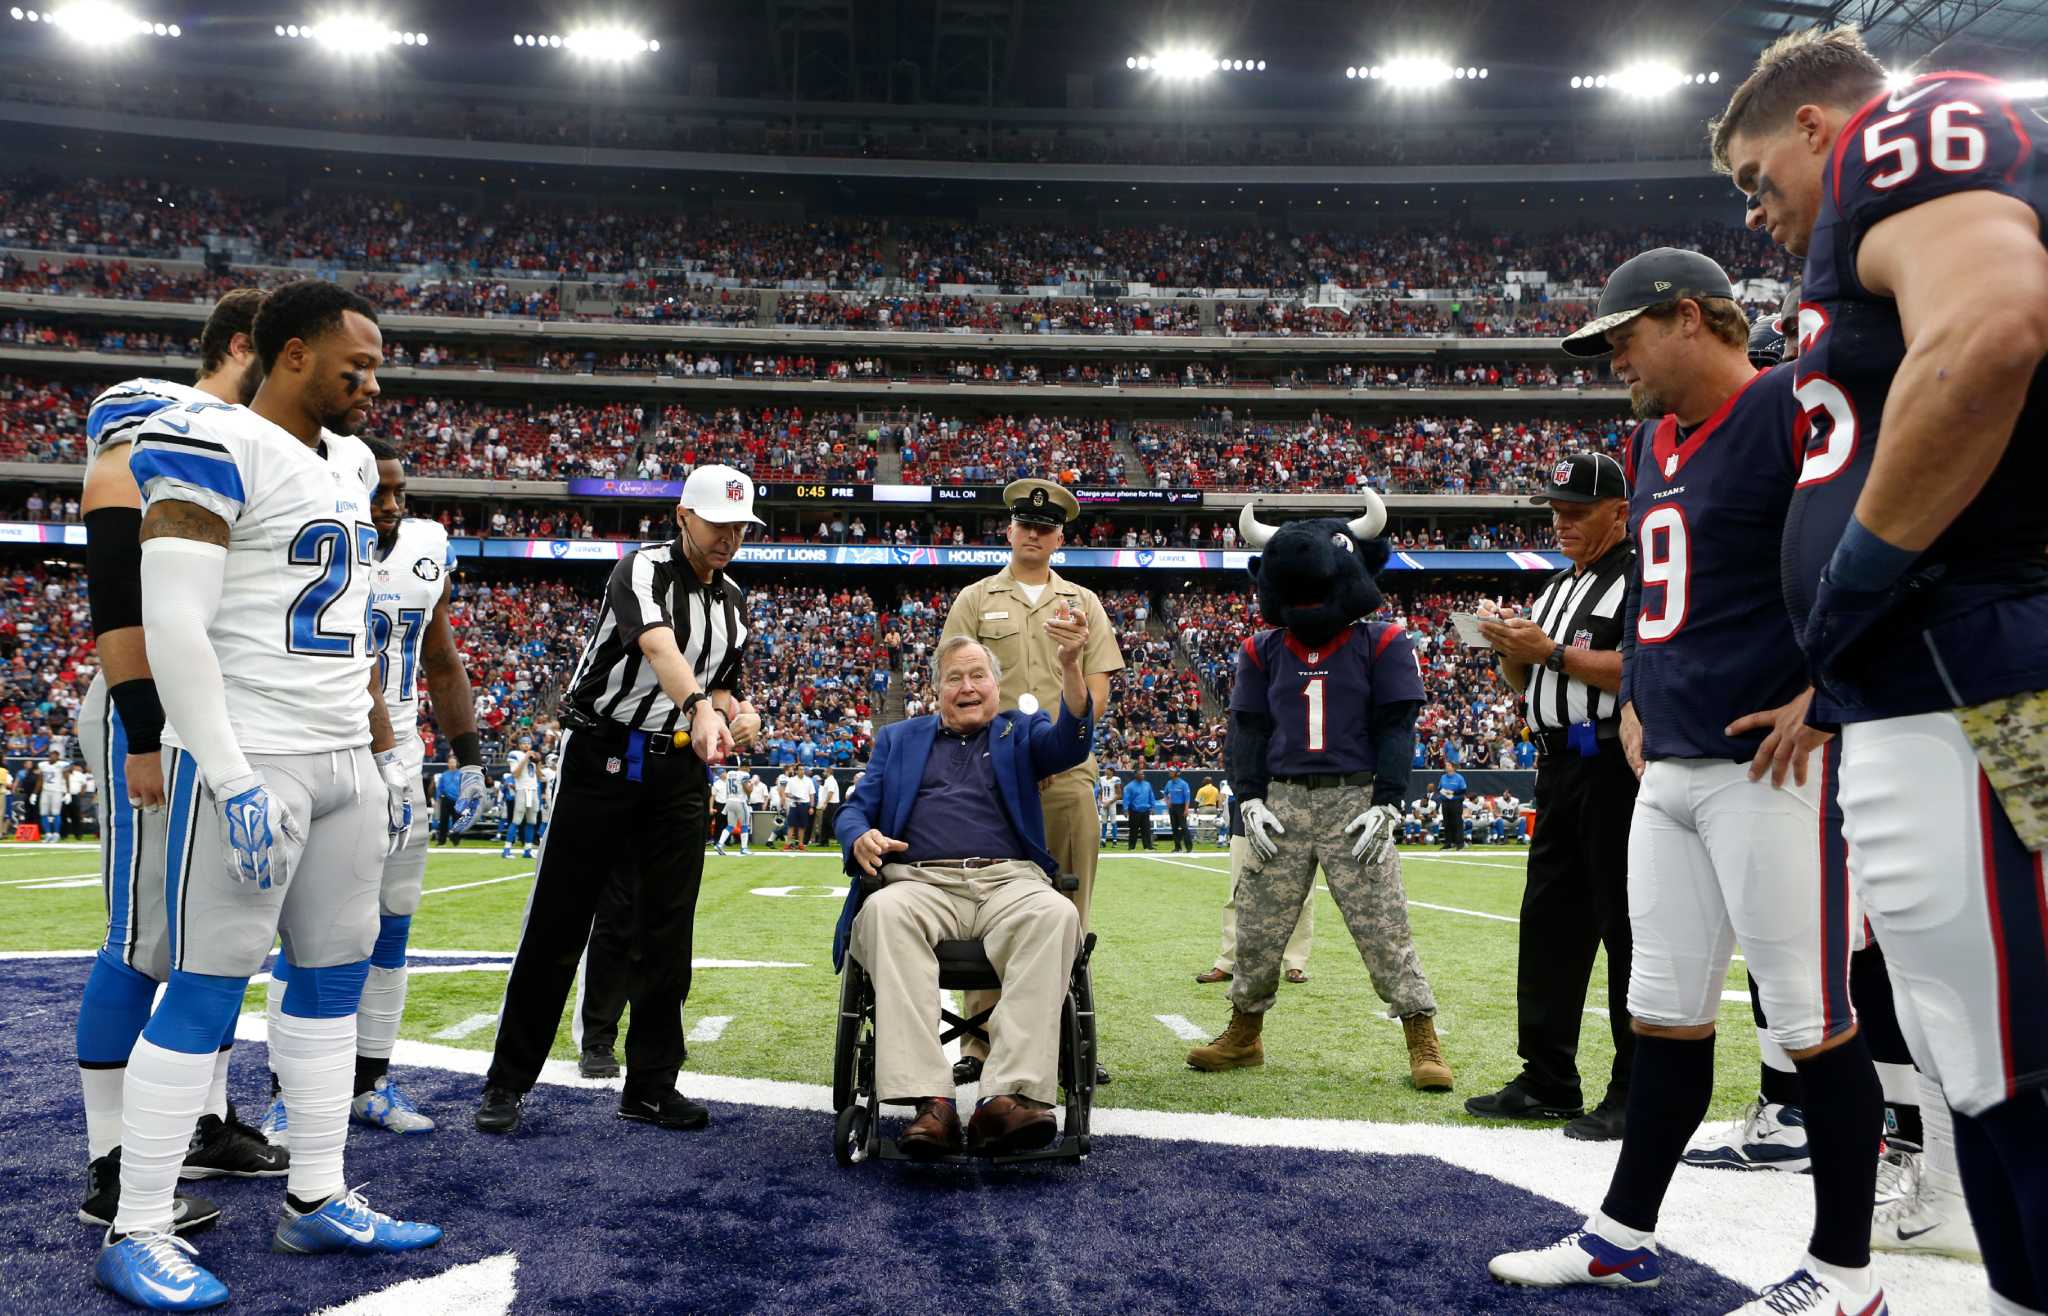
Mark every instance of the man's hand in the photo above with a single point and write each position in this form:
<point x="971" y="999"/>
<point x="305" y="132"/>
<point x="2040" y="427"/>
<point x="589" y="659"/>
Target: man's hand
<point x="1518" y="640"/>
<point x="469" y="799"/>
<point x="262" y="840"/>
<point x="745" y="728"/>
<point x="1260" y="827"/>
<point x="1375" y="828"/>
<point x="1788" y="744"/>
<point x="397" y="799"/>
<point x="1069" y="631"/>
<point x="710" y="737"/>
<point x="871" y="845"/>
<point x="1632" y="738"/>
<point x="145" y="774"/>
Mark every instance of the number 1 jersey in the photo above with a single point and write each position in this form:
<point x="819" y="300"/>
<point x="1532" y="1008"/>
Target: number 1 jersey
<point x="292" y="631"/>
<point x="1321" y="697"/>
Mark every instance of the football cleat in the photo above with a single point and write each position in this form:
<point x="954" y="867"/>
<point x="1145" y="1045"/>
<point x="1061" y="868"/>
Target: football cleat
<point x="1914" y="1215"/>
<point x="155" y="1270"/>
<point x="228" y="1147"/>
<point x="347" y="1224"/>
<point x="1580" y="1257"/>
<point x="1770" y="1137"/>
<point x="1804" y="1293"/>
<point x="189" y="1215"/>
<point x="388" y="1106"/>
<point x="274" y="1127"/>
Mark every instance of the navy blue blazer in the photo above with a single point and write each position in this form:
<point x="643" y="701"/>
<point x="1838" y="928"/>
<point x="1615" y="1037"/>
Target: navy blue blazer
<point x="1024" y="748"/>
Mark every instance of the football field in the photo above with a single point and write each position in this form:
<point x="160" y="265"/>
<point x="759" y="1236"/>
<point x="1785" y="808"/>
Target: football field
<point x="1368" y="1195"/>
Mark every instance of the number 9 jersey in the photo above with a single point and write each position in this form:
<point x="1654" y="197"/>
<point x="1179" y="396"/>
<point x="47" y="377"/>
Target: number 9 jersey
<point x="293" y="630"/>
<point x="1978" y="607"/>
<point x="405" y="587"/>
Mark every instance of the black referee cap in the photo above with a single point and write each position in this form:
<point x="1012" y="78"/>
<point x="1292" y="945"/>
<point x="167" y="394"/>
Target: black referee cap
<point x="1584" y="477"/>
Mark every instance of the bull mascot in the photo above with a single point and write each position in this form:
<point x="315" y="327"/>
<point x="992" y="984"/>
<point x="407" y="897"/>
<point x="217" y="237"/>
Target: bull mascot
<point x="1322" y="735"/>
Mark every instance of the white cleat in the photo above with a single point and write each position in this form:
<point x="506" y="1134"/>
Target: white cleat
<point x="1804" y="1293"/>
<point x="276" y="1130"/>
<point x="1770" y="1137"/>
<point x="1580" y="1257"/>
<point x="1918" y="1216"/>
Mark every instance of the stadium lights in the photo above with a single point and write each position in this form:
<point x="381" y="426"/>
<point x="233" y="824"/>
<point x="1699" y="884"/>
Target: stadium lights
<point x="96" y="23"/>
<point x="1186" y="63"/>
<point x="1645" y="80"/>
<point x="351" y="34"/>
<point x="2031" y="90"/>
<point x="1412" y="72"/>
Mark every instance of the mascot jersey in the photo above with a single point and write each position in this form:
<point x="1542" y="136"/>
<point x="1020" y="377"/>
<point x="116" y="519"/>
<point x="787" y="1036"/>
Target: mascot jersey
<point x="1321" y="697"/>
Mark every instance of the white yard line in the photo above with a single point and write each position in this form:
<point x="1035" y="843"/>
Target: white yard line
<point x="30" y="881"/>
<point x="708" y="1029"/>
<point x="1468" y="913"/>
<point x="1186" y="1029"/>
<point x="464" y="886"/>
<point x="1177" y="863"/>
<point x="476" y="1023"/>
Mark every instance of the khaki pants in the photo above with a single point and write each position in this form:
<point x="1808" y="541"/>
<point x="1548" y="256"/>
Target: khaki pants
<point x="1295" y="957"/>
<point x="1073" y="838"/>
<point x="1030" y="935"/>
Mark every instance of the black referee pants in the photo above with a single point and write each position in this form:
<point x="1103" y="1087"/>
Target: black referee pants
<point x="1575" y="901"/>
<point x="1454" y="825"/>
<point x="606" y="827"/>
<point x="607" y="964"/>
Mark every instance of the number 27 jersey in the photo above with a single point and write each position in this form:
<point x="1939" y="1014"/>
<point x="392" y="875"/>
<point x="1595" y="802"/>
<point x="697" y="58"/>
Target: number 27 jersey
<point x="292" y="630"/>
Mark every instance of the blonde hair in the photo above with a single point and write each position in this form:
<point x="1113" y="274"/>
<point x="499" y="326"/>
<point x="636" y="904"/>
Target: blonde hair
<point x="1815" y="66"/>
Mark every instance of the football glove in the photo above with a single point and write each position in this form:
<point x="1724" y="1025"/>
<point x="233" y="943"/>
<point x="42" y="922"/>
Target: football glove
<point x="1841" y="623"/>
<point x="469" y="800"/>
<point x="397" y="799"/>
<point x="1260" y="827"/>
<point x="1375" y="830"/>
<point x="262" y="840"/>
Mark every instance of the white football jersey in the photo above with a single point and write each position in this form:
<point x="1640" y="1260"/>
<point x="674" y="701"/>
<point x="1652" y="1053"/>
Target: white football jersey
<point x="523" y="767"/>
<point x="405" y="588"/>
<point x="293" y="629"/>
<point x="116" y="413"/>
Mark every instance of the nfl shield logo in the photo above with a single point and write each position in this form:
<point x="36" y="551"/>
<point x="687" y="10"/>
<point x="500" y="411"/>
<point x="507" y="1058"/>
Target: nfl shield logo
<point x="1671" y="465"/>
<point x="1582" y="640"/>
<point x="735" y="490"/>
<point x="612" y="766"/>
<point x="1562" y="473"/>
<point x="1315" y="656"/>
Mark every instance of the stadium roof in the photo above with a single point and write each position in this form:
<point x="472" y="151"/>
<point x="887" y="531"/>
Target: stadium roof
<point x="1912" y="31"/>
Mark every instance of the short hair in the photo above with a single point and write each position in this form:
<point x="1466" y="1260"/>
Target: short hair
<point x="382" y="449"/>
<point x="958" y="642"/>
<point x="234" y="313"/>
<point x="1724" y="319"/>
<point x="304" y="310"/>
<point x="1814" y="66"/>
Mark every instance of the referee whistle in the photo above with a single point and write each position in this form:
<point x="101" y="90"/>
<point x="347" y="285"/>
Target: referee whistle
<point x="682" y="740"/>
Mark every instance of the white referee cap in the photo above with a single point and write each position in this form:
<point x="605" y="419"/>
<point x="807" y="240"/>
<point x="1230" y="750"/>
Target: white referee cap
<point x="720" y="494"/>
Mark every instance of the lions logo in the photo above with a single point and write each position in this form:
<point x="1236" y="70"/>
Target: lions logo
<point x="427" y="569"/>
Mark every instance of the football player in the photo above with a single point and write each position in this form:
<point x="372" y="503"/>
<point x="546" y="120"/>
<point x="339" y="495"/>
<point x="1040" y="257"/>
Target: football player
<point x="120" y="728"/>
<point x="284" y="791"/>
<point x="522" y="768"/>
<point x="410" y="587"/>
<point x="1914" y="561"/>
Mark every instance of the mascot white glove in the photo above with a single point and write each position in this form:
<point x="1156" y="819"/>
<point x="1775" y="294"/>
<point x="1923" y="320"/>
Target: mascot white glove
<point x="1375" y="830"/>
<point x="1260" y="827"/>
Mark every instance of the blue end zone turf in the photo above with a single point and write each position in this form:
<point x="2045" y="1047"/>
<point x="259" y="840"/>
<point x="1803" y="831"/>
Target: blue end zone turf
<point x="753" y="1216"/>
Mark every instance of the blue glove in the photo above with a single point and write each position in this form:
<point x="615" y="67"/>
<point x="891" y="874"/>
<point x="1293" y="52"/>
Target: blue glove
<point x="262" y="839"/>
<point x="469" y="800"/>
<point x="398" y="781"/>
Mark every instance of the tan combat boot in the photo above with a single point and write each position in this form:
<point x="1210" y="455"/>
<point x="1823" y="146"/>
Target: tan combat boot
<point x="1238" y="1048"/>
<point x="1427" y="1068"/>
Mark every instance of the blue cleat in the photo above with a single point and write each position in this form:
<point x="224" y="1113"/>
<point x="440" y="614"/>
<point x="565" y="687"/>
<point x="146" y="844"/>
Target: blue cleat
<point x="153" y="1269"/>
<point x="1581" y="1257"/>
<point x="274" y="1127"/>
<point x="389" y="1106"/>
<point x="347" y="1224"/>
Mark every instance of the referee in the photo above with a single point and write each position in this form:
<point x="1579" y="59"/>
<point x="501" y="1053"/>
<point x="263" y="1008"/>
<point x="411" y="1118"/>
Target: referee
<point x="1566" y="657"/>
<point x="660" y="672"/>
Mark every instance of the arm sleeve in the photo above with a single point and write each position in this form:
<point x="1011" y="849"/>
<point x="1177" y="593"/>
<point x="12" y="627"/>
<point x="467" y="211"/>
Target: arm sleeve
<point x="636" y="603"/>
<point x="1631" y="604"/>
<point x="1244" y="753"/>
<point x="181" y="589"/>
<point x="1393" y="743"/>
<point x="1951" y="132"/>
<point x="113" y="563"/>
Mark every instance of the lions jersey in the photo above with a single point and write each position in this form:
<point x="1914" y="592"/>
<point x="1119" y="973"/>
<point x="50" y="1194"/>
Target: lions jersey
<point x="293" y="627"/>
<point x="1321" y="699"/>
<point x="523" y="771"/>
<point x="405" y="587"/>
<point x="1706" y="511"/>
<point x="116" y="414"/>
<point x="1976" y="616"/>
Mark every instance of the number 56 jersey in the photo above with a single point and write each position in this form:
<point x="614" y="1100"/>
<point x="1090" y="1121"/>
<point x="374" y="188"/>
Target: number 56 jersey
<point x="292" y="631"/>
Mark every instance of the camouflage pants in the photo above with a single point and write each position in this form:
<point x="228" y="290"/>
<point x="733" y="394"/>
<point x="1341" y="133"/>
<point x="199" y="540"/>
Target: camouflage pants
<point x="1371" y="898"/>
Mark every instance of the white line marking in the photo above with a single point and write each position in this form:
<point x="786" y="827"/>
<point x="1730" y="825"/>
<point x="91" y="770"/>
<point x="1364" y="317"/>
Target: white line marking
<point x="481" y="1288"/>
<point x="1469" y="913"/>
<point x="20" y="848"/>
<point x="30" y="881"/>
<point x="464" y="886"/>
<point x="1182" y="1027"/>
<point x="1177" y="863"/>
<point x="476" y="1023"/>
<point x="708" y="1029"/>
<point x="1466" y="863"/>
<point x="59" y="883"/>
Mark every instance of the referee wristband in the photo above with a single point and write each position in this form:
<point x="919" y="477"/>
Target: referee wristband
<point x="469" y="749"/>
<point x="142" y="714"/>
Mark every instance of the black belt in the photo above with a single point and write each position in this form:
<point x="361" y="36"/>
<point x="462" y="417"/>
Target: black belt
<point x="959" y="863"/>
<point x="1318" y="781"/>
<point x="612" y="735"/>
<point x="1552" y="744"/>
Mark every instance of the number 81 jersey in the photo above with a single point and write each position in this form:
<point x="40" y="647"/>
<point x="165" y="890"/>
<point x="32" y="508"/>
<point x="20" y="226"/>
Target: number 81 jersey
<point x="292" y="630"/>
<point x="405" y="587"/>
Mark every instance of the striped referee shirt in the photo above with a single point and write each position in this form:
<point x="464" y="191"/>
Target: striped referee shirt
<point x="1580" y="610"/>
<point x="654" y="586"/>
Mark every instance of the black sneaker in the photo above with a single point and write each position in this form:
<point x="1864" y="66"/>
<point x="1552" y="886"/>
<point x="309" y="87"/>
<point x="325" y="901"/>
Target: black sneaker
<point x="670" y="1110"/>
<point x="500" y="1111"/>
<point x="598" y="1062"/>
<point x="967" y="1069"/>
<point x="1101" y="1077"/>
<point x="1515" y="1102"/>
<point x="1604" y="1123"/>
<point x="230" y="1148"/>
<point x="189" y="1215"/>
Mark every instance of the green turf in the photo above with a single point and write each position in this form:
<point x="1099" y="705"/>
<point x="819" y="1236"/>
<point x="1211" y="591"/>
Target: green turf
<point x="1330" y="1050"/>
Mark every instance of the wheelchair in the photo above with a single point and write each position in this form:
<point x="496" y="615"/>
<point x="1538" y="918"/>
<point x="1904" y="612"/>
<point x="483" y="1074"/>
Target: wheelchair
<point x="963" y="966"/>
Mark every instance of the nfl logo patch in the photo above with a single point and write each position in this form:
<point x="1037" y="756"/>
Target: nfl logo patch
<point x="613" y="766"/>
<point x="1315" y="656"/>
<point x="1582" y="640"/>
<point x="1671" y="465"/>
<point x="1562" y="473"/>
<point x="735" y="491"/>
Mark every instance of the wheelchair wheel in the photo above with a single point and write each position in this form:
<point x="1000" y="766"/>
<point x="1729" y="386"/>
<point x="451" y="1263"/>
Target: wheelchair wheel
<point x="848" y="1044"/>
<point x="850" y="1135"/>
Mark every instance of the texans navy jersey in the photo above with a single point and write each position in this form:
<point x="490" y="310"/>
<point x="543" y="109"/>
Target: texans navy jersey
<point x="1708" y="642"/>
<point x="1321" y="699"/>
<point x="1974" y="625"/>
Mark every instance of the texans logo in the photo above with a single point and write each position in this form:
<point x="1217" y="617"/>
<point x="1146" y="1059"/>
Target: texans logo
<point x="900" y="555"/>
<point x="1561" y="473"/>
<point x="558" y="547"/>
<point x="1144" y="557"/>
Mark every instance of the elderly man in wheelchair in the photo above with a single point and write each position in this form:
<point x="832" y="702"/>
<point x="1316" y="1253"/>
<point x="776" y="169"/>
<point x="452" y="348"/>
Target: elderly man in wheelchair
<point x="945" y="841"/>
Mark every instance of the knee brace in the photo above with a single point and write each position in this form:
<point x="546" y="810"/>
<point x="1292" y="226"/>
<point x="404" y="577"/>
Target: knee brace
<point x="392" y="931"/>
<point x="112" y="1013"/>
<point x="332" y="992"/>
<point x="198" y="1010"/>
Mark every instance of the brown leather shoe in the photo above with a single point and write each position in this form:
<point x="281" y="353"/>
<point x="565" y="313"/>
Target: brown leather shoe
<point x="1006" y="1124"/>
<point x="1213" y="975"/>
<point x="1296" y="976"/>
<point x="934" y="1133"/>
